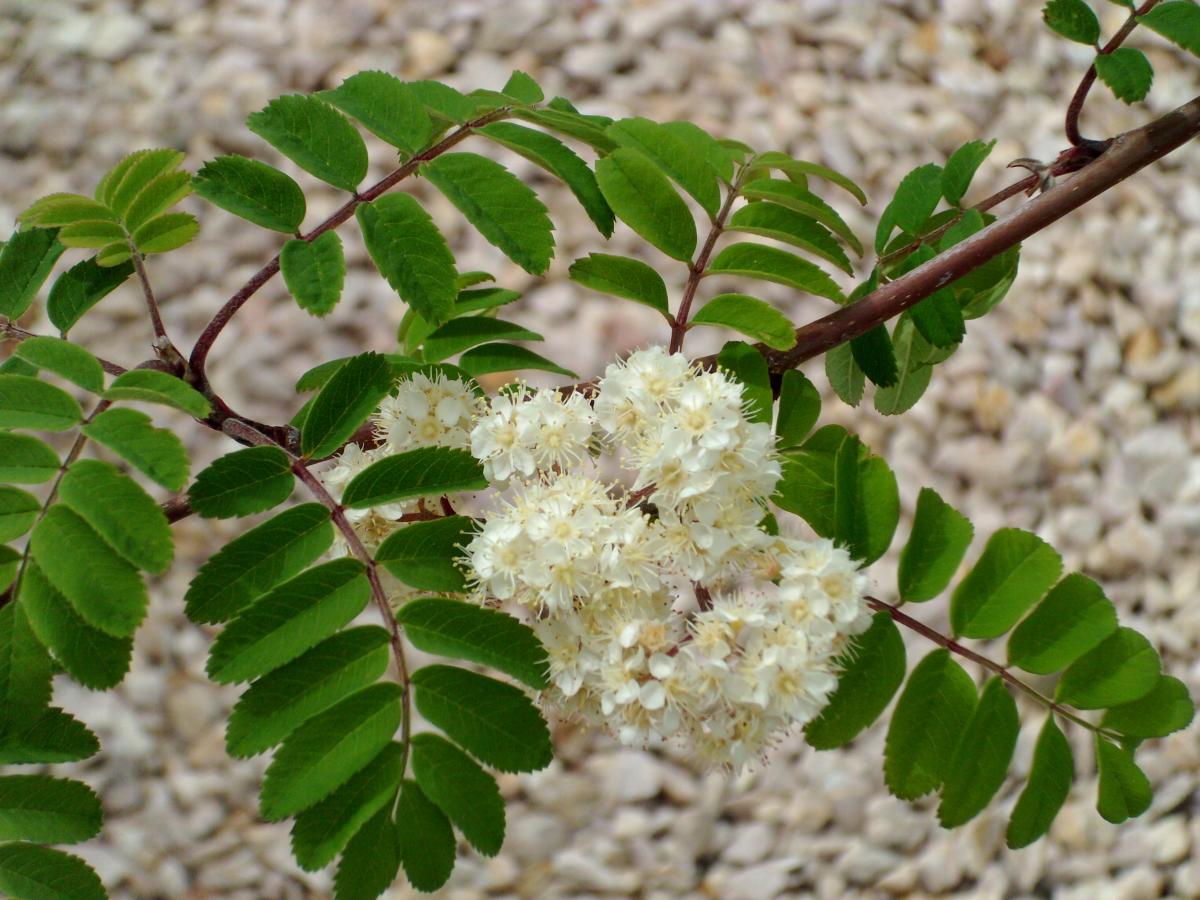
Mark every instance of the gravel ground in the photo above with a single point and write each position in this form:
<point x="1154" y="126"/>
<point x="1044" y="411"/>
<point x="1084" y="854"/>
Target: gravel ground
<point x="1072" y="410"/>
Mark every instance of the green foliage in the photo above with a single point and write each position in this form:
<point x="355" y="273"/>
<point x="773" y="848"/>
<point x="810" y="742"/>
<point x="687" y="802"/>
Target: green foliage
<point x="1120" y="669"/>
<point x="26" y="402"/>
<point x="1167" y="708"/>
<point x="939" y="539"/>
<point x="467" y="794"/>
<point x="1073" y="618"/>
<point x="386" y="107"/>
<point x="1124" y="790"/>
<point x="18" y="509"/>
<point x="156" y="452"/>
<point x="800" y="200"/>
<point x="25" y="671"/>
<point x="961" y="168"/>
<point x="876" y="356"/>
<point x="252" y="190"/>
<point x="53" y="736"/>
<point x="371" y="860"/>
<point x="572" y="124"/>
<point x="642" y="198"/>
<point x="80" y="288"/>
<point x="773" y="264"/>
<point x="746" y="365"/>
<point x="422" y="554"/>
<point x="799" y="170"/>
<point x="427" y="845"/>
<point x="750" y="316"/>
<point x="1073" y="19"/>
<point x="622" y="277"/>
<point x="489" y="358"/>
<point x="845" y="375"/>
<point x="458" y="335"/>
<point x="344" y="403"/>
<point x="981" y="758"/>
<point x="782" y="224"/>
<point x="314" y="272"/>
<point x="25" y="262"/>
<point x="424" y="472"/>
<point x="1049" y="783"/>
<point x="120" y="511"/>
<point x="153" y="386"/>
<point x="916" y="198"/>
<point x="1127" y="72"/>
<point x="799" y="408"/>
<point x="242" y="483"/>
<point x="1014" y="572"/>
<point x="314" y="136"/>
<point x="167" y="232"/>
<point x="674" y="156"/>
<point x="29" y="870"/>
<point x="67" y="360"/>
<point x="41" y="808"/>
<point x="1178" y="21"/>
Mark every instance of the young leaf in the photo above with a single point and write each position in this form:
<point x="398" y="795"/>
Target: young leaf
<point x="320" y="832"/>
<point x="52" y="736"/>
<point x="91" y="234"/>
<point x="65" y="359"/>
<point x="798" y="199"/>
<point x="916" y="198"/>
<point x="1073" y="19"/>
<point x="314" y="136"/>
<point x="773" y="264"/>
<point x="940" y="537"/>
<point x="500" y="206"/>
<point x="981" y="759"/>
<point x="747" y="365"/>
<point x="424" y="838"/>
<point x="621" y="277"/>
<point x="483" y="299"/>
<point x="930" y="715"/>
<point x="113" y="254"/>
<point x="1074" y="618"/>
<point x="275" y="704"/>
<point x="1014" y="572"/>
<point x="156" y="198"/>
<point x="314" y="272"/>
<point x="496" y="722"/>
<point x="939" y="319"/>
<point x="257" y="561"/>
<point x="1127" y="72"/>
<point x="782" y="224"/>
<point x="798" y="167"/>
<point x="128" y="178"/>
<point x="57" y="210"/>
<point x="750" y="316"/>
<point x="102" y="587"/>
<point x="25" y="459"/>
<point x="424" y="472"/>
<point x="644" y="200"/>
<point x="242" y="483"/>
<point x="913" y="372"/>
<point x="961" y="168"/>
<point x="845" y="376"/>
<point x="386" y="107"/>
<point x="120" y="511"/>
<point x="1050" y="778"/>
<point x="718" y="157"/>
<point x="1166" y="709"/>
<point x="423" y="554"/>
<point x="520" y="86"/>
<point x="30" y="870"/>
<point x="25" y="668"/>
<point x="488" y="358"/>
<point x="555" y="157"/>
<point x="153" y="386"/>
<point x="166" y="232"/>
<point x="26" y="402"/>
<point x="324" y="752"/>
<point x="799" y="408"/>
<point x="411" y="254"/>
<point x="462" y="790"/>
<point x="1124" y="790"/>
<point x="25" y="262"/>
<point x="344" y="404"/>
<point x="370" y="862"/>
<point x="18" y="510"/>
<point x="458" y="335"/>
<point x="675" y="157"/>
<point x="291" y="618"/>
<point x="572" y="124"/>
<point x="53" y="810"/>
<point x="1178" y="22"/>
<point x="252" y="190"/>
<point x="1120" y="669"/>
<point x="80" y="288"/>
<point x="873" y="669"/>
<point x="156" y="452"/>
<point x="875" y="355"/>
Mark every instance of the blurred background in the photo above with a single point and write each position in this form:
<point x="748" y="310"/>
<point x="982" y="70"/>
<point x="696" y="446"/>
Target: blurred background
<point x="1072" y="410"/>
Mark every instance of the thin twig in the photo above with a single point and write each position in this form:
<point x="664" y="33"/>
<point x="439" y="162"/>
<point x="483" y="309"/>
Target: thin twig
<point x="9" y="331"/>
<point x="166" y="350"/>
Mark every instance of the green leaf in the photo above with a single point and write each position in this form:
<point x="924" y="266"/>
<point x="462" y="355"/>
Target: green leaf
<point x="257" y="561"/>
<point x="53" y="810"/>
<point x="423" y="554"/>
<point x="91" y="234"/>
<point x="370" y="862"/>
<point x="167" y="232"/>
<point x="980" y="761"/>
<point x="314" y="272"/>
<point x="30" y="870"/>
<point x="102" y="587"/>
<point x="242" y="483"/>
<point x="1120" y="669"/>
<point x="344" y="403"/>
<point x="675" y="157"/>
<point x="747" y="365"/>
<point x="320" y="832"/>
<point x="424" y="838"/>
<point x="252" y="190"/>
<point x="442" y="100"/>
<point x="275" y="704"/>
<point x="496" y="722"/>
<point x="930" y="715"/>
<point x="57" y="210"/>
<point x="65" y="359"/>
<point x="424" y="472"/>
<point x="128" y="178"/>
<point x="324" y="752"/>
<point x="10" y="561"/>
<point x="801" y="168"/>
<point x="873" y="669"/>
<point x="1124" y="790"/>
<point x="1049" y="784"/>
<point x="916" y="198"/>
<point x="290" y="619"/>
<point x="1074" y="618"/>
<point x="1178" y="21"/>
<point x="53" y="736"/>
<point x="25" y="669"/>
<point x="520" y="86"/>
<point x="25" y="262"/>
<point x="120" y="511"/>
<point x="462" y="790"/>
<point x="622" y="277"/>
<point x="844" y="374"/>
<point x="18" y="510"/>
<point x="1014" y="572"/>
<point x="386" y="107"/>
<point x="718" y="157"/>
<point x="961" y="168"/>
<point x="773" y="264"/>
<point x="875" y="355"/>
<point x="913" y="372"/>
<point x="153" y="386"/>
<point x="1166" y="709"/>
<point x="26" y="402"/>
<point x="750" y="316"/>
<point x="555" y="157"/>
<point x="114" y="254"/>
<point x="314" y="136"/>
<point x="783" y="224"/>
<point x="156" y="452"/>
<point x="798" y="199"/>
<point x="1073" y="19"/>
<point x="799" y="408"/>
<point x="96" y="660"/>
<point x="411" y="254"/>
<point x="643" y="199"/>
<point x="571" y="124"/>
<point x="483" y="299"/>
<point x="500" y="206"/>
<point x="939" y="539"/>
<point x="80" y="288"/>
<point x="486" y="636"/>
<point x="490" y="358"/>
<point x="462" y="334"/>
<point x="1127" y="72"/>
<point x="157" y="197"/>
